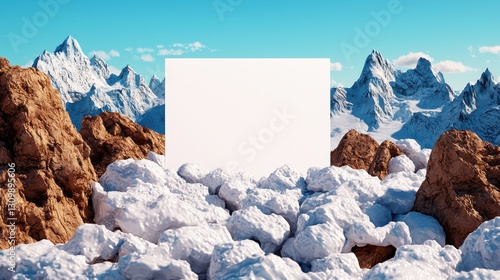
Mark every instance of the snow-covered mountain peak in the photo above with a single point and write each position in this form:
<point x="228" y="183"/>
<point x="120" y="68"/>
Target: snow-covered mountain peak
<point x="157" y="86"/>
<point x="377" y="66"/>
<point x="70" y="46"/>
<point x="487" y="79"/>
<point x="424" y="67"/>
<point x="129" y="78"/>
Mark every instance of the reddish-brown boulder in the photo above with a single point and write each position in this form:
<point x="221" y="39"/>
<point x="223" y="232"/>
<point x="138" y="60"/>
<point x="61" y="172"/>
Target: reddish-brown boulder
<point x="53" y="172"/>
<point x="113" y="137"/>
<point x="380" y="163"/>
<point x="355" y="149"/>
<point x="371" y="255"/>
<point x="462" y="186"/>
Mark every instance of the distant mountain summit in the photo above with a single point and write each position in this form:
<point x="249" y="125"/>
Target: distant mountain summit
<point x="416" y="103"/>
<point x="88" y="88"/>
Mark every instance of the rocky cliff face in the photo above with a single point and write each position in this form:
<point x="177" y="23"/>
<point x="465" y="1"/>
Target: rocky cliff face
<point x="53" y="171"/>
<point x="113" y="137"/>
<point x="462" y="186"/>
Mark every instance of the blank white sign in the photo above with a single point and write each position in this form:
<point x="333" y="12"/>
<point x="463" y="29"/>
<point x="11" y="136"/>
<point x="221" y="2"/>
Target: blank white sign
<point x="250" y="115"/>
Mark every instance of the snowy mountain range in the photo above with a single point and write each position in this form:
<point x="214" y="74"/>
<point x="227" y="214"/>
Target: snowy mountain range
<point x="389" y="103"/>
<point x="87" y="86"/>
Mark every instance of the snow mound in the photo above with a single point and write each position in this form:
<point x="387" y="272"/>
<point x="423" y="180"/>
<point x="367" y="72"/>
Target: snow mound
<point x="400" y="164"/>
<point x="270" y="230"/>
<point x="195" y="244"/>
<point x="427" y="261"/>
<point x="481" y="248"/>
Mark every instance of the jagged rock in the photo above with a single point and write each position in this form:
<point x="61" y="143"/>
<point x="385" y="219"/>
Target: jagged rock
<point x="380" y="163"/>
<point x="462" y="186"/>
<point x="53" y="172"/>
<point x="370" y="255"/>
<point x="113" y="137"/>
<point x="355" y="149"/>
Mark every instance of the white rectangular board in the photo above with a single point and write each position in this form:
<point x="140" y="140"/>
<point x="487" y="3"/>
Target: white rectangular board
<point x="251" y="115"/>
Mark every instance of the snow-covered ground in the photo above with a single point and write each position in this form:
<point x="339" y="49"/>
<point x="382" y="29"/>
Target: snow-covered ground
<point x="155" y="223"/>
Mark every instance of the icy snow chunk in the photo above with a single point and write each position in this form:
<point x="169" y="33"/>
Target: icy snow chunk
<point x="331" y="177"/>
<point x="342" y="211"/>
<point x="346" y="262"/>
<point x="137" y="266"/>
<point x="234" y="191"/>
<point x="282" y="179"/>
<point x="423" y="227"/>
<point x="400" y="163"/>
<point x="427" y="261"/>
<point x="477" y="274"/>
<point x="27" y="256"/>
<point x="146" y="206"/>
<point x="123" y="174"/>
<point x="95" y="242"/>
<point x="269" y="201"/>
<point x="192" y="172"/>
<point x="158" y="159"/>
<point x="396" y="234"/>
<point x="408" y="146"/>
<point x="400" y="191"/>
<point x="481" y="249"/>
<point x="412" y="149"/>
<point x="264" y="267"/>
<point x="250" y="223"/>
<point x="195" y="244"/>
<point x="214" y="179"/>
<point x="314" y="242"/>
<point x="378" y="214"/>
<point x="228" y="256"/>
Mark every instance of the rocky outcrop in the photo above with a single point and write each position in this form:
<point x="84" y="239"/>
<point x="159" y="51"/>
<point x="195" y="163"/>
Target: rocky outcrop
<point x="53" y="171"/>
<point x="360" y="151"/>
<point x="355" y="149"/>
<point x="462" y="186"/>
<point x="379" y="165"/>
<point x="371" y="255"/>
<point x="113" y="137"/>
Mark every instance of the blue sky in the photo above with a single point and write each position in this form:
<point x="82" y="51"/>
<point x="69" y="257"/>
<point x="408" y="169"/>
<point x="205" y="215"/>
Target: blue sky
<point x="460" y="37"/>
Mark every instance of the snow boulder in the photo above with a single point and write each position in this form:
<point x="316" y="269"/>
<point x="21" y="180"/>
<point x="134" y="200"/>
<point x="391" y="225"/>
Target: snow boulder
<point x="269" y="230"/>
<point x="195" y="244"/>
<point x="481" y="249"/>
<point x="400" y="163"/>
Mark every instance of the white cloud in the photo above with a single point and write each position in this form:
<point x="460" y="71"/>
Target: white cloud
<point x="410" y="59"/>
<point x="114" y="70"/>
<point x="335" y="66"/>
<point x="130" y="49"/>
<point x="114" y="53"/>
<point x="147" y="58"/>
<point x="160" y="46"/>
<point x="193" y="47"/>
<point x="170" y="52"/>
<point x="449" y="66"/>
<point x="101" y="54"/>
<point x="145" y="50"/>
<point x="490" y="49"/>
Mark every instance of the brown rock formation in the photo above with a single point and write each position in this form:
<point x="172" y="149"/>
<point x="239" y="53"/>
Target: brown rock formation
<point x="370" y="255"/>
<point x="380" y="163"/>
<point x="462" y="186"/>
<point x="53" y="172"/>
<point x="360" y="151"/>
<point x="355" y="149"/>
<point x="113" y="137"/>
